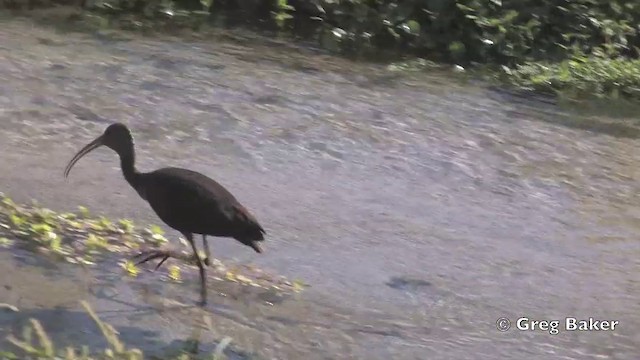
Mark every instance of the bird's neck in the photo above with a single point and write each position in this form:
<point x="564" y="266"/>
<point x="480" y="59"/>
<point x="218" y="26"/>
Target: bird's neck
<point x="127" y="163"/>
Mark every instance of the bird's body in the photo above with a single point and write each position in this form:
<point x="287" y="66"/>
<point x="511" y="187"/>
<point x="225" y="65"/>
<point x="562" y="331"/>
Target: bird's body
<point x="191" y="202"/>
<point x="185" y="200"/>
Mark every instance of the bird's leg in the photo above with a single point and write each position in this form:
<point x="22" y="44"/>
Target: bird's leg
<point x="161" y="261"/>
<point x="205" y="243"/>
<point x="203" y="278"/>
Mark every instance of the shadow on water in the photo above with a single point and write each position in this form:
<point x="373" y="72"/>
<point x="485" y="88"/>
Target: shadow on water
<point x="616" y="118"/>
<point x="57" y="308"/>
<point x="591" y="124"/>
<point x="408" y="284"/>
<point x="70" y="328"/>
<point x="161" y="318"/>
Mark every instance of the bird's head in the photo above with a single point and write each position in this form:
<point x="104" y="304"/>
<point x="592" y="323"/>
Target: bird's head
<point x="116" y="136"/>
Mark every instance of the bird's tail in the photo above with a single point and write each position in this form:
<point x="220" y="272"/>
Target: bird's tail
<point x="256" y="246"/>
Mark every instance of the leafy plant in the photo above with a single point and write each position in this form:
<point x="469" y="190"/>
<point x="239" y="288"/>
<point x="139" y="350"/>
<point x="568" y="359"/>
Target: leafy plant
<point x="36" y="343"/>
<point x="80" y="238"/>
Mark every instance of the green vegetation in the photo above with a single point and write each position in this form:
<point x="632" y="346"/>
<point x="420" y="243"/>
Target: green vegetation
<point x="79" y="238"/>
<point x="41" y="347"/>
<point x="549" y="45"/>
<point x="580" y="77"/>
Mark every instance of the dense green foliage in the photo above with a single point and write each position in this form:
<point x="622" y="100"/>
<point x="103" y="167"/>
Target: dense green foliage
<point x="505" y="32"/>
<point x="542" y="44"/>
<point x="581" y="76"/>
<point x="463" y="31"/>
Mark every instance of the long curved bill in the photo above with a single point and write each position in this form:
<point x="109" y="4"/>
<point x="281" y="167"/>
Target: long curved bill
<point x="84" y="151"/>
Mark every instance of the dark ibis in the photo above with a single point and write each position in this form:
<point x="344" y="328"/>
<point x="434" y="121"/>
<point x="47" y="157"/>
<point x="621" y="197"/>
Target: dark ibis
<point x="185" y="200"/>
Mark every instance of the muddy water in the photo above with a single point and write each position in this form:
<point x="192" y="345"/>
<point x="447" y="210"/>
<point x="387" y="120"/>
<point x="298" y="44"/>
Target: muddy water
<point x="420" y="210"/>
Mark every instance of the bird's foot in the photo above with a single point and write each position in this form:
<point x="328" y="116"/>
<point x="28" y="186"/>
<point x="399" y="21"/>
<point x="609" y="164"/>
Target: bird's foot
<point x="147" y="255"/>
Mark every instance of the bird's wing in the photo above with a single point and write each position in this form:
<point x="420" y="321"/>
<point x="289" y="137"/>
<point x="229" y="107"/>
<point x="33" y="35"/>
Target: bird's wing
<point x="187" y="202"/>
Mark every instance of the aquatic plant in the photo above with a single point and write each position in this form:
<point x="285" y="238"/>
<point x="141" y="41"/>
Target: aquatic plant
<point x="35" y="343"/>
<point x="81" y="238"/>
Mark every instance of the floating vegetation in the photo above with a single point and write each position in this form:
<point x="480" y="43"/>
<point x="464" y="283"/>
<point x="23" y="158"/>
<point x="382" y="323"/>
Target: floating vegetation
<point x="130" y="267"/>
<point x="35" y="343"/>
<point x="82" y="238"/>
<point x="174" y="273"/>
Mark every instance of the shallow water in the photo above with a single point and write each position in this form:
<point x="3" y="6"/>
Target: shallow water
<point x="419" y="209"/>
